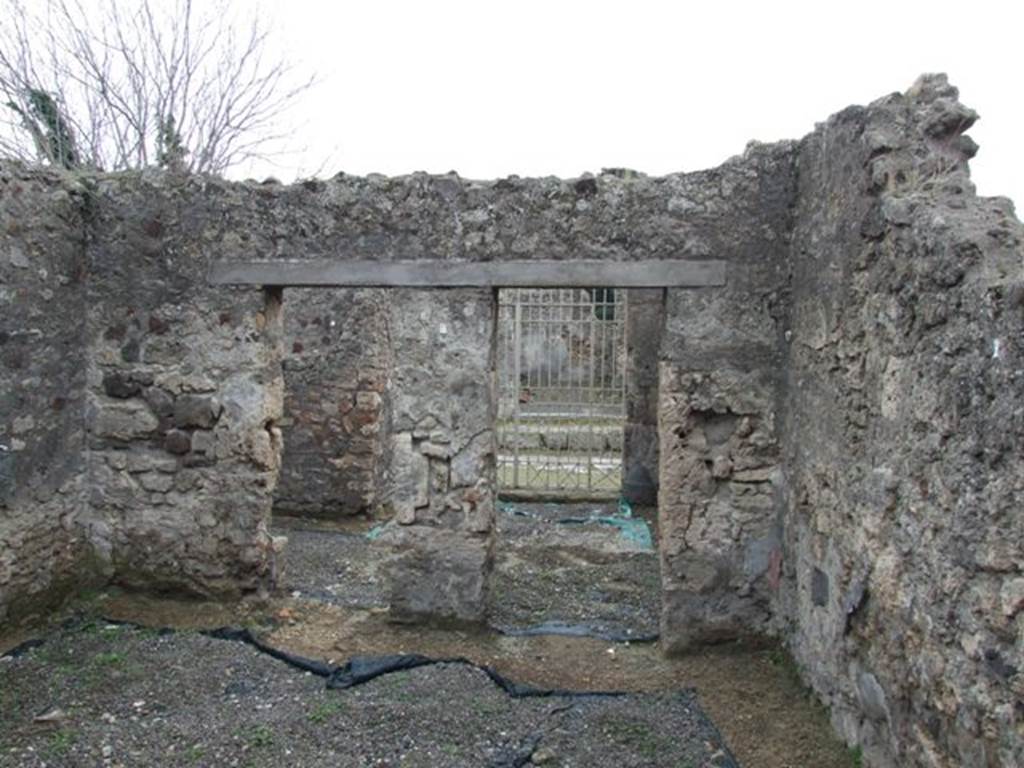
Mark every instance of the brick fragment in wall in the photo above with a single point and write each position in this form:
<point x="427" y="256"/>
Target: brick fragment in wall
<point x="336" y="350"/>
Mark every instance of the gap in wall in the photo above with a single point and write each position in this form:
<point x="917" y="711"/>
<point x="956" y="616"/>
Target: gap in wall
<point x="573" y="554"/>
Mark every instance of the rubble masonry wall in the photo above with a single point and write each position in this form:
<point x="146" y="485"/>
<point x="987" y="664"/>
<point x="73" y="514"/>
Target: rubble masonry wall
<point x="903" y="431"/>
<point x="839" y="426"/>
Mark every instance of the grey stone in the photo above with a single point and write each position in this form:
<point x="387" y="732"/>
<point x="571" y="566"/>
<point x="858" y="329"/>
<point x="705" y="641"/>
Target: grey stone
<point x="160" y="401"/>
<point x="872" y="697"/>
<point x="198" y="411"/>
<point x="819" y="587"/>
<point x="121" y="385"/>
<point x="125" y="420"/>
<point x="178" y="442"/>
<point x="438" y="576"/>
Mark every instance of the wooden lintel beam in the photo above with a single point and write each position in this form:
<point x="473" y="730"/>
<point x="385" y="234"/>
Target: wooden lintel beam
<point x="526" y="273"/>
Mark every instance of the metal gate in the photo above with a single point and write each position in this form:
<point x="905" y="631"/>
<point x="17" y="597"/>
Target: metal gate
<point x="561" y="374"/>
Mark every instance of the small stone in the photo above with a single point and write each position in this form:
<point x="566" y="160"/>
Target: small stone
<point x="721" y="467"/>
<point x="543" y="756"/>
<point x="17" y="258"/>
<point x="178" y="442"/>
<point x="1012" y="596"/>
<point x="202" y="442"/>
<point x="819" y="587"/>
<point x="52" y="715"/>
<point x="121" y="386"/>
<point x="161" y="401"/>
<point x="23" y="424"/>
<point x="367" y="401"/>
<point x="196" y="411"/>
<point x="125" y="421"/>
<point x="872" y="697"/>
<point x="156" y="482"/>
<point x="435" y="451"/>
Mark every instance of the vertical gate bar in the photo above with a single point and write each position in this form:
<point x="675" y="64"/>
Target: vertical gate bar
<point x="623" y="372"/>
<point x="517" y="352"/>
<point x="589" y="410"/>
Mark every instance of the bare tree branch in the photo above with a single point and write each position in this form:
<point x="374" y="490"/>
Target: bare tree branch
<point x="117" y="84"/>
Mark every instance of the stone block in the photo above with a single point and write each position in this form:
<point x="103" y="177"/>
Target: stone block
<point x="127" y="420"/>
<point x="690" y="620"/>
<point x="196" y="411"/>
<point x="438" y="576"/>
<point x="178" y="442"/>
<point x="121" y="385"/>
<point x="411" y="478"/>
<point x="819" y="587"/>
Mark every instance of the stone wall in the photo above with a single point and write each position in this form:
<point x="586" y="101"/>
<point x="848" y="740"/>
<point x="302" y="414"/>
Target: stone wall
<point x="337" y="356"/>
<point x="42" y="385"/>
<point x="903" y="431"/>
<point x="718" y="506"/>
<point x="183" y="395"/>
<point x="440" y="480"/>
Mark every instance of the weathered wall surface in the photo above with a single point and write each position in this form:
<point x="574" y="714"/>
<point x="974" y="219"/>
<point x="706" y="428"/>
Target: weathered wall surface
<point x="440" y="478"/>
<point x="718" y="505"/>
<point x="42" y="384"/>
<point x="644" y="329"/>
<point x="739" y="212"/>
<point x="618" y="215"/>
<point x="903" y="434"/>
<point x="336" y="364"/>
<point x="184" y="394"/>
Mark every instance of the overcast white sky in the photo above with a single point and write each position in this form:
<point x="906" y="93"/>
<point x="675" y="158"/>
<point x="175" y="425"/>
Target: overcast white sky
<point x="561" y="87"/>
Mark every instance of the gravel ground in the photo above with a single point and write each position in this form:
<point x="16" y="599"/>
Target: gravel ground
<point x="100" y="694"/>
<point x="572" y="577"/>
<point x="333" y="566"/>
<point x="549" y="576"/>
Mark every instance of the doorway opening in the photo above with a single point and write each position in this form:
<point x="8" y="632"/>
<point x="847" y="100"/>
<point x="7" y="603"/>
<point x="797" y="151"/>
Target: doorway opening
<point x="572" y="556"/>
<point x="561" y="392"/>
<point x="559" y="369"/>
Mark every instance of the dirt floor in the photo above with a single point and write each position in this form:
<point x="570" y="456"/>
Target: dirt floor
<point x="96" y="693"/>
<point x="99" y="693"/>
<point x="579" y="568"/>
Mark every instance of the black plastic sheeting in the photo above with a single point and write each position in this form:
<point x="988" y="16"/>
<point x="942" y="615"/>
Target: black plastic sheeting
<point x="22" y="648"/>
<point x="363" y="669"/>
<point x="356" y="671"/>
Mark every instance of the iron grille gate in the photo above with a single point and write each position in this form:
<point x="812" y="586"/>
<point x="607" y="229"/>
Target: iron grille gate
<point x="561" y="373"/>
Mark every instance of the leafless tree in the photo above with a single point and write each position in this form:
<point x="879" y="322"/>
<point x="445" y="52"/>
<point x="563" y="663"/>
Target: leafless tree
<point x="117" y="84"/>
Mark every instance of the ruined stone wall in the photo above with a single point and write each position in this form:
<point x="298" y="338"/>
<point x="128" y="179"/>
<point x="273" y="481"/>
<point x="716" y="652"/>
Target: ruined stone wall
<point x="440" y="478"/>
<point x="903" y="431"/>
<point x="42" y="385"/>
<point x="183" y="394"/>
<point x="718" y="506"/>
<point x="183" y="390"/>
<point x="336" y="364"/>
<point x="739" y="212"/>
<point x="840" y="425"/>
